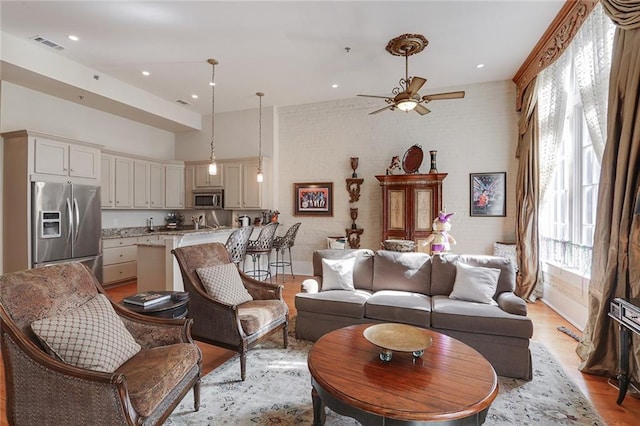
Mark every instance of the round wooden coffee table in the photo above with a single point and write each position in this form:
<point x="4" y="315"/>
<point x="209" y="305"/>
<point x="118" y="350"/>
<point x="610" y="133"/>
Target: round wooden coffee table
<point x="450" y="384"/>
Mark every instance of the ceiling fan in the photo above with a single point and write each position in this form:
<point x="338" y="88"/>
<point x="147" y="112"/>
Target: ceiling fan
<point x="406" y="96"/>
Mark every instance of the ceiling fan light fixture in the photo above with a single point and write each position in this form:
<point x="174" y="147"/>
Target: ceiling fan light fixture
<point x="407" y="105"/>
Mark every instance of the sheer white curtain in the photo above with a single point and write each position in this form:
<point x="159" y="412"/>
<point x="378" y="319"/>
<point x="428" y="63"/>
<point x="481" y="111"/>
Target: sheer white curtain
<point x="592" y="48"/>
<point x="552" y="106"/>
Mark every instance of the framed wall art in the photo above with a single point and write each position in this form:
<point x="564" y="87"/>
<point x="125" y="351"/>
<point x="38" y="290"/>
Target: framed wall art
<point x="313" y="199"/>
<point x="488" y="194"/>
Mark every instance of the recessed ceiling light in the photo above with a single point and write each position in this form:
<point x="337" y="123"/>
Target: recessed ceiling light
<point x="480" y="66"/>
<point x="146" y="73"/>
<point x="334" y="85"/>
<point x="73" y="37"/>
<point x="194" y="96"/>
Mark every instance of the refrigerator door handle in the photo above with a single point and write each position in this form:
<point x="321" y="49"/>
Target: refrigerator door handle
<point x="76" y="212"/>
<point x="69" y="215"/>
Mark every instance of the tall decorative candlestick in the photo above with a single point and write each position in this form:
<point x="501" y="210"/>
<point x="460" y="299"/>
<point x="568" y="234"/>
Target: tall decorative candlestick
<point x="354" y="216"/>
<point x="354" y="166"/>
<point x="433" y="169"/>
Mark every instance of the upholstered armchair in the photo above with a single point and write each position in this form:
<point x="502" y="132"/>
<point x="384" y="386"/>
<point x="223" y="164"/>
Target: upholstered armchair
<point x="51" y="381"/>
<point x="229" y="325"/>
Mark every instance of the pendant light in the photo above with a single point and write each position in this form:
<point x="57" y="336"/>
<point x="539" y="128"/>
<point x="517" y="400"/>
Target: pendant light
<point x="213" y="167"/>
<point x="260" y="176"/>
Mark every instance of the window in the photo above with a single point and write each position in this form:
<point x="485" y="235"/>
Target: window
<point x="568" y="212"/>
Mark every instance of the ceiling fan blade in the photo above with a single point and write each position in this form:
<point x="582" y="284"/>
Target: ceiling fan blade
<point x="415" y="85"/>
<point x="448" y="95"/>
<point x="381" y="109"/>
<point x="421" y="109"/>
<point x="373" y="96"/>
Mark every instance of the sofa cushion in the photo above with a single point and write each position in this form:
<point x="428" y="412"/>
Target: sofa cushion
<point x="470" y="317"/>
<point x="399" y="306"/>
<point x="223" y="283"/>
<point x="155" y="372"/>
<point x="362" y="269"/>
<point x="337" y="274"/>
<point x="334" y="302"/>
<point x="92" y="336"/>
<point x="256" y="314"/>
<point x="443" y="271"/>
<point x="401" y="271"/>
<point x="475" y="284"/>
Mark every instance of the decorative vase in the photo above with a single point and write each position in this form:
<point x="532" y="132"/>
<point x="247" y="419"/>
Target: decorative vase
<point x="433" y="169"/>
<point x="354" y="166"/>
<point x="354" y="216"/>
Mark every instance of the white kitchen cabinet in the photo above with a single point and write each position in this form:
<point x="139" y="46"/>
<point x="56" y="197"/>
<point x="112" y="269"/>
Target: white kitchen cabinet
<point x="140" y="184"/>
<point x="66" y="159"/>
<point x="156" y="185"/>
<point x="123" y="182"/>
<point x="189" y="170"/>
<point x="241" y="189"/>
<point x="204" y="180"/>
<point x="174" y="186"/>
<point x="119" y="259"/>
<point x="107" y="174"/>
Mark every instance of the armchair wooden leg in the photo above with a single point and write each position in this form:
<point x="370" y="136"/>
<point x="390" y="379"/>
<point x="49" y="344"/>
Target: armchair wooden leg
<point x="196" y="396"/>
<point x="243" y="365"/>
<point x="285" y="335"/>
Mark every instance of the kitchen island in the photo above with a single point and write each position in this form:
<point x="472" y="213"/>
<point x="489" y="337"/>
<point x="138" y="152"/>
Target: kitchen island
<point x="157" y="267"/>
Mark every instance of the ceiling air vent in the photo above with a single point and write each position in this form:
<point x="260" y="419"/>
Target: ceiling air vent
<point x="46" y="42"/>
<point x="180" y="101"/>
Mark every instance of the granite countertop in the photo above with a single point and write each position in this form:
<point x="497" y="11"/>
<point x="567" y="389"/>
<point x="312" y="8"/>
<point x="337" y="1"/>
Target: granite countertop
<point x="143" y="231"/>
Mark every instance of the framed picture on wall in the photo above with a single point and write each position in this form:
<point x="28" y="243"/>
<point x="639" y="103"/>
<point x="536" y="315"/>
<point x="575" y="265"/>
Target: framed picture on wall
<point x="488" y="194"/>
<point x="313" y="199"/>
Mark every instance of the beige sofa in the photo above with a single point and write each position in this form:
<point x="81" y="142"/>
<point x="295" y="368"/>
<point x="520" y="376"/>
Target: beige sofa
<point x="414" y="288"/>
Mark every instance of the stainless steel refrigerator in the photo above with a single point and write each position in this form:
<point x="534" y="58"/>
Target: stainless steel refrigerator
<point x="66" y="224"/>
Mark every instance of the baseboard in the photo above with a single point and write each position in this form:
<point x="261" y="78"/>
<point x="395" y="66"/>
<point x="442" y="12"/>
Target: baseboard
<point x="572" y="312"/>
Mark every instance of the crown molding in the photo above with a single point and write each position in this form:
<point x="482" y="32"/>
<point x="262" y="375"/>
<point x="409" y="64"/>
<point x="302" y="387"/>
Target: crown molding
<point x="552" y="43"/>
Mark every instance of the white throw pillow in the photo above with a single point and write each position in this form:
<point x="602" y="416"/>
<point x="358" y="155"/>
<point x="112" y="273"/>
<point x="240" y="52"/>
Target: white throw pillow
<point x="223" y="283"/>
<point x="92" y="336"/>
<point x="337" y="274"/>
<point x="475" y="284"/>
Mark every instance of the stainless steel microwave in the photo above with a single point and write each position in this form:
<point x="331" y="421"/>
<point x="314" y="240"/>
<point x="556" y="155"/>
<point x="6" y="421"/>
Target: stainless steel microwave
<point x="209" y="200"/>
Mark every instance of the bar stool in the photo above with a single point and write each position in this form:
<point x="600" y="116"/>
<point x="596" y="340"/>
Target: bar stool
<point x="237" y="243"/>
<point x="280" y="245"/>
<point x="261" y="247"/>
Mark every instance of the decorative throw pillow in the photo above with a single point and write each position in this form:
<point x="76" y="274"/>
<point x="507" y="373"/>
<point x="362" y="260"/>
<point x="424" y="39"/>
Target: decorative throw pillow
<point x="475" y="284"/>
<point x="92" y="336"/>
<point x="223" y="283"/>
<point x="337" y="274"/>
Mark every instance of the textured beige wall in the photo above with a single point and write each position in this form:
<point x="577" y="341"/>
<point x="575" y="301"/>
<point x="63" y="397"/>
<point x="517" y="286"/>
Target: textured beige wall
<point x="472" y="135"/>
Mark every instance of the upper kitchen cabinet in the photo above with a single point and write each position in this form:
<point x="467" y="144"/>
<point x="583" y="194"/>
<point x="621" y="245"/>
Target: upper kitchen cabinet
<point x="175" y="186"/>
<point x="241" y="189"/>
<point x="54" y="158"/>
<point x="123" y="182"/>
<point x="148" y="185"/>
<point x="66" y="159"/>
<point x="189" y="182"/>
<point x="204" y="180"/>
<point x="107" y="173"/>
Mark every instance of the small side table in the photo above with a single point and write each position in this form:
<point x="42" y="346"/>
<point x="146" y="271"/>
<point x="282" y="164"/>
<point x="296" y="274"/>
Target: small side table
<point x="626" y="312"/>
<point x="176" y="309"/>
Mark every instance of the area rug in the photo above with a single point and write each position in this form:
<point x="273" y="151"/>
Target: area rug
<point x="277" y="391"/>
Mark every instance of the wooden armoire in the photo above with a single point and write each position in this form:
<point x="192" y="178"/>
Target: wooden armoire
<point x="410" y="202"/>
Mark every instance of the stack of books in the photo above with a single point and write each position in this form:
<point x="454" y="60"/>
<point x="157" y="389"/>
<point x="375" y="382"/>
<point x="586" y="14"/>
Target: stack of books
<point x="147" y="298"/>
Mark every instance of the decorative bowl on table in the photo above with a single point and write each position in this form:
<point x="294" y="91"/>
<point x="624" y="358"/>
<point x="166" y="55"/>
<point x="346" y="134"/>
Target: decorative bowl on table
<point x="392" y="337"/>
<point x="399" y="245"/>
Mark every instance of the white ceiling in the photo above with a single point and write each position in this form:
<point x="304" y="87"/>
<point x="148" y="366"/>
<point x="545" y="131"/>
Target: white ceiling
<point x="292" y="51"/>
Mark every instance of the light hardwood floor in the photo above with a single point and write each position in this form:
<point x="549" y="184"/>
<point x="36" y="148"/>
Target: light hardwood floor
<point x="601" y="394"/>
